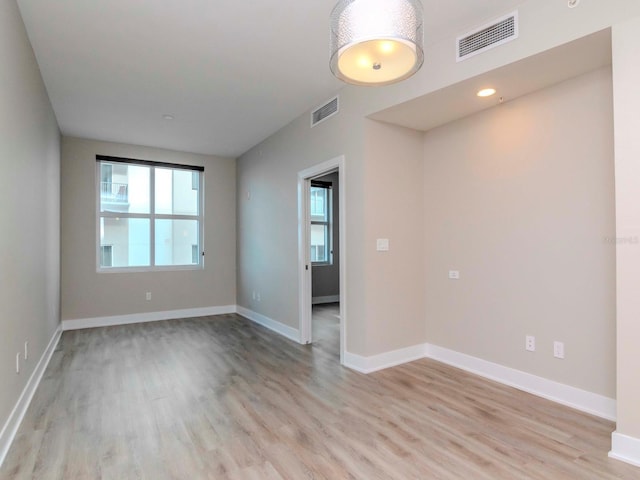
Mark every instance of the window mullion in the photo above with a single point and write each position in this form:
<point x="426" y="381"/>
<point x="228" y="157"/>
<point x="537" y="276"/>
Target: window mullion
<point x="168" y="216"/>
<point x="124" y="215"/>
<point x="152" y="217"/>
<point x="200" y="219"/>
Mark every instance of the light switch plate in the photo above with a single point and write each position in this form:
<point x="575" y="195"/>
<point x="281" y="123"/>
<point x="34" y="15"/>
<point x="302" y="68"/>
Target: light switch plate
<point x="382" y="244"/>
<point x="454" y="274"/>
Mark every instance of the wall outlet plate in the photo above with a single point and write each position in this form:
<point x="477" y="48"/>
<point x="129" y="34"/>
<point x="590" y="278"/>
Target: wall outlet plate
<point x="530" y="343"/>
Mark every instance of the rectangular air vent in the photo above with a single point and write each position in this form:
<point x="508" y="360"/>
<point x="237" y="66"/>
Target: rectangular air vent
<point x="496" y="33"/>
<point x="327" y="110"/>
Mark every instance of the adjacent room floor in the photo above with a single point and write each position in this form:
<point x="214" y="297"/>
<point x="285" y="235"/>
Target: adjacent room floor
<point x="325" y="322"/>
<point x="222" y="398"/>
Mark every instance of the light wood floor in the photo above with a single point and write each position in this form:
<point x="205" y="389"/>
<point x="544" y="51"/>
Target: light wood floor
<point x="326" y="329"/>
<point x="222" y="398"/>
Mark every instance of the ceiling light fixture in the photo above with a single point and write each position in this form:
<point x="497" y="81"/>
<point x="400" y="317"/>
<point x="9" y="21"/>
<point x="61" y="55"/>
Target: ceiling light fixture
<point x="486" y="92"/>
<point x="376" y="42"/>
<point x="167" y="117"/>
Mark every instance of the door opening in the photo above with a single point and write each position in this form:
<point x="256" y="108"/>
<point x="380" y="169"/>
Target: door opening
<point x="321" y="255"/>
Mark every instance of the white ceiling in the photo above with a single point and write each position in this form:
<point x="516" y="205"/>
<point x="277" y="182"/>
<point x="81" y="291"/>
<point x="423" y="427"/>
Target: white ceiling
<point x="511" y="81"/>
<point x="230" y="72"/>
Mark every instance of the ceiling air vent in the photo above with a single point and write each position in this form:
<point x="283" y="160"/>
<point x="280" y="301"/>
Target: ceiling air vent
<point x="327" y="110"/>
<point x="498" y="32"/>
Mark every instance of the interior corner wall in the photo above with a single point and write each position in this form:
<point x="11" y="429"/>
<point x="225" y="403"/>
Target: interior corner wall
<point x="520" y="200"/>
<point x="29" y="212"/>
<point x="383" y="289"/>
<point x="626" y="78"/>
<point x="87" y="294"/>
<point x="394" y="201"/>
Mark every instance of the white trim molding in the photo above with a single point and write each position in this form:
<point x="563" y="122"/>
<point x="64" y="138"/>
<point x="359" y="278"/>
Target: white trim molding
<point x="573" y="397"/>
<point x="273" y="325"/>
<point x="384" y="360"/>
<point x="304" y="263"/>
<point x="94" y="322"/>
<point x="625" y="448"/>
<point x="325" y="299"/>
<point x="12" y="424"/>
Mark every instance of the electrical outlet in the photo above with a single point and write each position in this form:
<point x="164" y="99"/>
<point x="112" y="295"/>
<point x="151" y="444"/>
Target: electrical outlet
<point x="558" y="349"/>
<point x="454" y="274"/>
<point x="26" y="350"/>
<point x="148" y="296"/>
<point x="530" y="343"/>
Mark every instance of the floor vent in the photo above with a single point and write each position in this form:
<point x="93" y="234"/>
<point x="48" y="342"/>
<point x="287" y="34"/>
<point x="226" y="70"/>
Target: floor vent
<point x="327" y="110"/>
<point x="498" y="32"/>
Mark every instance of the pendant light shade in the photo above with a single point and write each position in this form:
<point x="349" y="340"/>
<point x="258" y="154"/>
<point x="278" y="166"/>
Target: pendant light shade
<point x="376" y="42"/>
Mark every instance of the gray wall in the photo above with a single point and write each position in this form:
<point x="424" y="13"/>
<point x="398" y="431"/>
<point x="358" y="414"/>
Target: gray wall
<point x="88" y="294"/>
<point x="29" y="212"/>
<point x="325" y="279"/>
<point x="520" y="200"/>
<point x="267" y="222"/>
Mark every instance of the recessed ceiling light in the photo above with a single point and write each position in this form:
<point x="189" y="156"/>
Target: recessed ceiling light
<point x="168" y="117"/>
<point x="486" y="92"/>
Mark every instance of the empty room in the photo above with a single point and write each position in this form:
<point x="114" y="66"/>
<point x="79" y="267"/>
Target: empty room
<point x="336" y="239"/>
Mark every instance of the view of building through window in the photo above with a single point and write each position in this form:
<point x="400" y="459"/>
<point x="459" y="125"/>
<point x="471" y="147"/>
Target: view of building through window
<point x="320" y="223"/>
<point x="149" y="215"/>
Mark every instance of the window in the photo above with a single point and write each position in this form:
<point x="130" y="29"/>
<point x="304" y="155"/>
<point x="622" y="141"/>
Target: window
<point x="149" y="215"/>
<point x="321" y="253"/>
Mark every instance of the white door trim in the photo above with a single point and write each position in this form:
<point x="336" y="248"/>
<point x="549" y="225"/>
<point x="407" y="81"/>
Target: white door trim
<point x="304" y="263"/>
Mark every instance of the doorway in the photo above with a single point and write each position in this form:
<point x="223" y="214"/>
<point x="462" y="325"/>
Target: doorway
<point x="321" y="243"/>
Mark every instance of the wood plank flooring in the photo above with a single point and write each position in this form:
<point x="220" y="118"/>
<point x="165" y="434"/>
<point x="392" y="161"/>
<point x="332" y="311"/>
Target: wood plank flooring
<point x="221" y="398"/>
<point x="326" y="329"/>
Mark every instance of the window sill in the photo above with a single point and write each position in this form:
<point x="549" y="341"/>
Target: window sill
<point x="172" y="268"/>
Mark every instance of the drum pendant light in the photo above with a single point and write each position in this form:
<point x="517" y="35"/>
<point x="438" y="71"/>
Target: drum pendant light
<point x="376" y="42"/>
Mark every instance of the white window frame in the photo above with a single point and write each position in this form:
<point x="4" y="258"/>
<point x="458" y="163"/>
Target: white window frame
<point x="151" y="216"/>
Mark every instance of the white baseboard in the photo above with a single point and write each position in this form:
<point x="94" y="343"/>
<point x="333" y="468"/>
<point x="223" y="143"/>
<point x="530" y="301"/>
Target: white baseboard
<point x="278" y="327"/>
<point x="573" y="397"/>
<point x="588" y="402"/>
<point x="625" y="448"/>
<point x="17" y="414"/>
<point x="356" y="362"/>
<point x="384" y="360"/>
<point x="325" y="299"/>
<point x="94" y="322"/>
